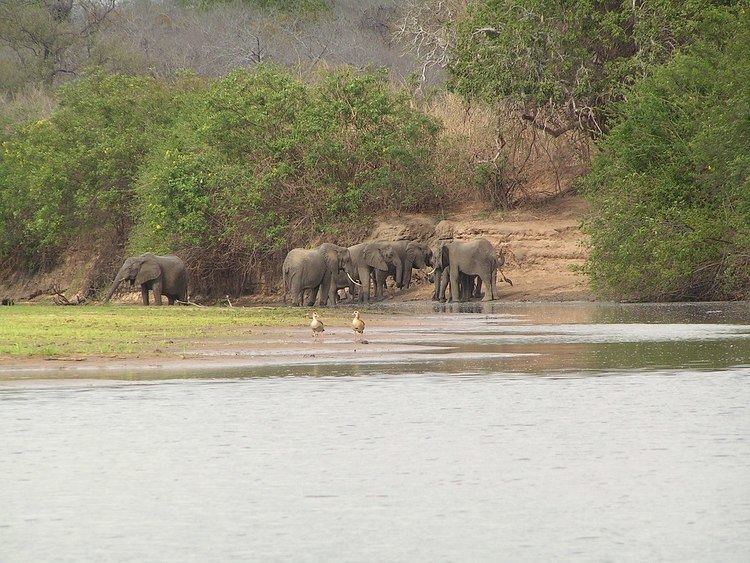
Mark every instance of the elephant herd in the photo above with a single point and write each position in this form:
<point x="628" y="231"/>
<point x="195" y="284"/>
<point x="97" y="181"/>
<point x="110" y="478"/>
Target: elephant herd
<point x="318" y="274"/>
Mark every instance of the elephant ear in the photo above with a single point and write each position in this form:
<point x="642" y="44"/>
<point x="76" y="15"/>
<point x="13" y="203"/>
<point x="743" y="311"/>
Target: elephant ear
<point x="149" y="270"/>
<point x="331" y="260"/>
<point x="444" y="260"/>
<point x="345" y="259"/>
<point x="374" y="258"/>
<point x="411" y="253"/>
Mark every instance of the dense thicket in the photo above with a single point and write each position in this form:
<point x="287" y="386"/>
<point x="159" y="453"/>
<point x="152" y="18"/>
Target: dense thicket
<point x="671" y="187"/>
<point x="230" y="172"/>
<point x="566" y="63"/>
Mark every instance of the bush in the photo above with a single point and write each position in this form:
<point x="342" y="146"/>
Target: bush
<point x="72" y="173"/>
<point x="567" y="62"/>
<point x="264" y="162"/>
<point x="230" y="173"/>
<point x="670" y="189"/>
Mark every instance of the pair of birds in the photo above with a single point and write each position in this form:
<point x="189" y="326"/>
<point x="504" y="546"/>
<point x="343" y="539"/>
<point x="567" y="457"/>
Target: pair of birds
<point x="316" y="325"/>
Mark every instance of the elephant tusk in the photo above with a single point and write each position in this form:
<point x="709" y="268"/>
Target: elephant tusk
<point x="352" y="280"/>
<point x="431" y="272"/>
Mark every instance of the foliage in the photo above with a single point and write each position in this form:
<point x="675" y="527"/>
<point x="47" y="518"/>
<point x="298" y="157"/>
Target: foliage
<point x="565" y="63"/>
<point x="46" y="37"/>
<point x="295" y="6"/>
<point x="264" y="162"/>
<point x="670" y="189"/>
<point x="230" y="173"/>
<point x="72" y="173"/>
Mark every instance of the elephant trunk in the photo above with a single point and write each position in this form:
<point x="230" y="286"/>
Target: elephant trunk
<point x="406" y="274"/>
<point x="118" y="280"/>
<point x="399" y="274"/>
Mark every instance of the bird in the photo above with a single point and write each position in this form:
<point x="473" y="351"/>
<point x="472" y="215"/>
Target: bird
<point x="316" y="325"/>
<point x="358" y="325"/>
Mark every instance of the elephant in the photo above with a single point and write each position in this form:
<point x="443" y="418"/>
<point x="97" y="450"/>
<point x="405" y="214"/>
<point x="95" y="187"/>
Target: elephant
<point x="411" y="254"/>
<point x="367" y="257"/>
<point x="476" y="258"/>
<point x="164" y="275"/>
<point x="313" y="270"/>
<point x="418" y="255"/>
<point x="469" y="286"/>
<point x="340" y="263"/>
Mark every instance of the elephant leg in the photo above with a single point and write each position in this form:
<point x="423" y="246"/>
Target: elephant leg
<point x="380" y="277"/>
<point x="478" y="288"/>
<point x="444" y="281"/>
<point x="364" y="278"/>
<point x="157" y="292"/>
<point x="313" y="296"/>
<point x="170" y="300"/>
<point x="144" y="294"/>
<point x="325" y="289"/>
<point x="463" y="280"/>
<point x="455" y="283"/>
<point x="486" y="277"/>
<point x="296" y="293"/>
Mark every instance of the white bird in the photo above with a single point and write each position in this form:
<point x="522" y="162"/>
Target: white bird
<point x="358" y="325"/>
<point x="316" y="325"/>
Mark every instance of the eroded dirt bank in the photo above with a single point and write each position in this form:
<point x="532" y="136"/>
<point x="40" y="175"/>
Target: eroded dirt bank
<point x="543" y="246"/>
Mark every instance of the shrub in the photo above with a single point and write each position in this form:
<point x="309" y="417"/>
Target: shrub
<point x="567" y="62"/>
<point x="230" y="173"/>
<point x="72" y="173"/>
<point x="670" y="189"/>
<point x="264" y="162"/>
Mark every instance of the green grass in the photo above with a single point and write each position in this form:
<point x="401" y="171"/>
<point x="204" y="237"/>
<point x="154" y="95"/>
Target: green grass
<point x="128" y="330"/>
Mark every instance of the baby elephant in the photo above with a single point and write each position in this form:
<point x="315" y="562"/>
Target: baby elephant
<point x="164" y="275"/>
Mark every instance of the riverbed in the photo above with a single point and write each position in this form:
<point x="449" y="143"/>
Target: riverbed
<point x="515" y="432"/>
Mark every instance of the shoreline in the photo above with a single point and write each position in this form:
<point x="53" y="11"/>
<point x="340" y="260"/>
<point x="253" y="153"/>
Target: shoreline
<point x="396" y="332"/>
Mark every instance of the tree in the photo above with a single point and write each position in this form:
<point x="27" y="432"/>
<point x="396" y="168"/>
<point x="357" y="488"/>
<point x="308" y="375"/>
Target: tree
<point x="46" y="35"/>
<point x="670" y="189"/>
<point x="567" y="63"/>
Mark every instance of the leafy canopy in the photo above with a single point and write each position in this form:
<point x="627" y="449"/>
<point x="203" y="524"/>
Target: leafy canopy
<point x="230" y="172"/>
<point x="567" y="62"/>
<point x="670" y="188"/>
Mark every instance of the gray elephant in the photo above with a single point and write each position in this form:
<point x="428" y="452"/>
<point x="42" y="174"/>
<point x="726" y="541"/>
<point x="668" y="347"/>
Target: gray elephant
<point x="340" y="264"/>
<point x="368" y="257"/>
<point x="395" y="267"/>
<point x="312" y="270"/>
<point x="416" y="255"/>
<point x="164" y="275"/>
<point x="469" y="286"/>
<point x="411" y="254"/>
<point x="476" y="258"/>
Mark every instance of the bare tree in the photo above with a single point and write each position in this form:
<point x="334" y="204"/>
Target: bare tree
<point x="426" y="28"/>
<point x="46" y="36"/>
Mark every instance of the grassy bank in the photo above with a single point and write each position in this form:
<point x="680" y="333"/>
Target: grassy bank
<point x="53" y="331"/>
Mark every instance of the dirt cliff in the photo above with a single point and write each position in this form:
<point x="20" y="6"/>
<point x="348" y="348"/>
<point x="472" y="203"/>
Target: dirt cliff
<point x="543" y="246"/>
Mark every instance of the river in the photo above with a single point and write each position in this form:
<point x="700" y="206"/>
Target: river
<point x="510" y="432"/>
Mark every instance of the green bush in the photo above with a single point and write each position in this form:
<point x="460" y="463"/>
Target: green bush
<point x="72" y="173"/>
<point x="264" y="162"/>
<point x="230" y="173"/>
<point x="572" y="60"/>
<point x="670" y="188"/>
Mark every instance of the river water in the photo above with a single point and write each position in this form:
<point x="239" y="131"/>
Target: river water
<point x="585" y="432"/>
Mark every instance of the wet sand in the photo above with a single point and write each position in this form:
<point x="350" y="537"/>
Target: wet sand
<point x="520" y="337"/>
